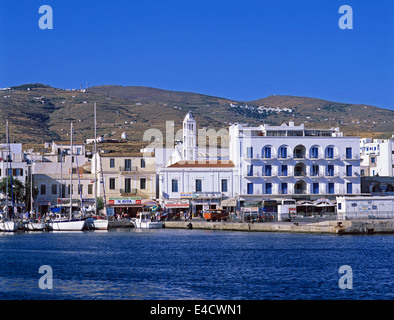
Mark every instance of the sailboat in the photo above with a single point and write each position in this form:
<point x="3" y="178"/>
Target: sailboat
<point x="63" y="222"/>
<point x="97" y="223"/>
<point x="8" y="222"/>
<point x="33" y="224"/>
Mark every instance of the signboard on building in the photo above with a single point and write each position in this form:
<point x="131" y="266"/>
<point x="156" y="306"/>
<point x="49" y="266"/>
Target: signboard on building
<point x="186" y="195"/>
<point x="124" y="200"/>
<point x="181" y="203"/>
<point x="206" y="195"/>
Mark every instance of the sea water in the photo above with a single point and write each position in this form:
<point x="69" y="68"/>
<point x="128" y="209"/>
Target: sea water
<point x="169" y="264"/>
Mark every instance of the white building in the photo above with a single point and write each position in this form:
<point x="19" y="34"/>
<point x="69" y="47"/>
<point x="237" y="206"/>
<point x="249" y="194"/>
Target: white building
<point x="198" y="184"/>
<point x="292" y="161"/>
<point x="377" y="157"/>
<point x="365" y="207"/>
<point x="16" y="165"/>
<point x="52" y="175"/>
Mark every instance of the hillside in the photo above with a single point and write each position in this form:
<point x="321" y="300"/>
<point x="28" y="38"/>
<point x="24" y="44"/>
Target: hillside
<point x="38" y="113"/>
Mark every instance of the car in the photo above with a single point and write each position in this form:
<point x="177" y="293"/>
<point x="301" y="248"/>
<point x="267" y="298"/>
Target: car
<point x="216" y="215"/>
<point x="167" y="216"/>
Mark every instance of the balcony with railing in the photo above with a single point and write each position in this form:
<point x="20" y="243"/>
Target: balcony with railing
<point x="128" y="169"/>
<point x="125" y="191"/>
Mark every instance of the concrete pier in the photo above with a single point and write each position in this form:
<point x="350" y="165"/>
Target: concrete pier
<point x="331" y="227"/>
<point x="124" y="223"/>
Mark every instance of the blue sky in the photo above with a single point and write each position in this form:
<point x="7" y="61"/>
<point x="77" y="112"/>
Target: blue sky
<point x="242" y="50"/>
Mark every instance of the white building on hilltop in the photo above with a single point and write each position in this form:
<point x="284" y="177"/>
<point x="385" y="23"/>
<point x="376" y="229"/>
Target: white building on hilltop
<point x="294" y="162"/>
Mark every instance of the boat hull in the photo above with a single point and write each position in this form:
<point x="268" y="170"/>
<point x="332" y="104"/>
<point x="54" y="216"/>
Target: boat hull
<point x="35" y="226"/>
<point x="76" y="225"/>
<point x="148" y="225"/>
<point x="9" y="226"/>
<point x="100" y="224"/>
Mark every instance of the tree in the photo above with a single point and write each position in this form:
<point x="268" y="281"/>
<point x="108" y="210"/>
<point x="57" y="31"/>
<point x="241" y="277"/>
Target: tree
<point x="18" y="189"/>
<point x="100" y="204"/>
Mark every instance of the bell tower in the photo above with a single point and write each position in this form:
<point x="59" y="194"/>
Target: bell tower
<point x="189" y="150"/>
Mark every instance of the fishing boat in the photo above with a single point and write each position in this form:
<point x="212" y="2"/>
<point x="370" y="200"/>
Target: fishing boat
<point x="143" y="221"/>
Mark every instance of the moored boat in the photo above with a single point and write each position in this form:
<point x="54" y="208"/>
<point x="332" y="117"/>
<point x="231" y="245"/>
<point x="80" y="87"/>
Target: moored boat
<point x="63" y="223"/>
<point x="9" y="225"/>
<point x="143" y="221"/>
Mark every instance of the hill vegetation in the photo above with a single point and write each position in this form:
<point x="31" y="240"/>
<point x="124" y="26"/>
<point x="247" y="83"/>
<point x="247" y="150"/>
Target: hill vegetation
<point x="39" y="113"/>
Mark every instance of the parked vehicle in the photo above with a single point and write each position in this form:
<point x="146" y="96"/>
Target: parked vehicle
<point x="167" y="216"/>
<point x="216" y="215"/>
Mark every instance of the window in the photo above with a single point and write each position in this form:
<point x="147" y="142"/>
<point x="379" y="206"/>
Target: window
<point x="330" y="170"/>
<point x="349" y="187"/>
<point x="80" y="189"/>
<point x="111" y="183"/>
<point x="314" y="152"/>
<point x="174" y="185"/>
<point x="142" y="163"/>
<point x="330" y="153"/>
<point x="267" y="152"/>
<point x="18" y="173"/>
<point x="339" y="206"/>
<point x="268" y="170"/>
<point x="112" y="163"/>
<point x="330" y="188"/>
<point x="268" y="188"/>
<point x="127" y="185"/>
<point x="54" y="189"/>
<point x="250" y="188"/>
<point x="315" y="170"/>
<point x="283" y="188"/>
<point x="142" y="183"/>
<point x="90" y="188"/>
<point x="249" y="152"/>
<point x="373" y="160"/>
<point x="224" y="185"/>
<point x="250" y="170"/>
<point x="198" y="185"/>
<point x="283" y="170"/>
<point x="63" y="190"/>
<point x="283" y="152"/>
<point x="349" y="170"/>
<point x="43" y="189"/>
<point x="127" y="164"/>
<point x="348" y="153"/>
<point x="315" y="188"/>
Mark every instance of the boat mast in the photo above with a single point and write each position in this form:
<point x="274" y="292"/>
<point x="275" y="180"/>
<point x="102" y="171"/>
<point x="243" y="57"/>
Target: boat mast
<point x="71" y="171"/>
<point x="9" y="169"/>
<point x="95" y="160"/>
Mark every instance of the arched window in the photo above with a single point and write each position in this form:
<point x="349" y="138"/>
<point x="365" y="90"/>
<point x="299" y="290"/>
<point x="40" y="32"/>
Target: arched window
<point x="299" y="152"/>
<point x="282" y="152"/>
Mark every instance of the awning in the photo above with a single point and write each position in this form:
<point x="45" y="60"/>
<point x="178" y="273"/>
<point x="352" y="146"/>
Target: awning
<point x="231" y="202"/>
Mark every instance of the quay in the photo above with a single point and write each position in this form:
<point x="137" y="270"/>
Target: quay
<point x="332" y="226"/>
<point x="123" y="223"/>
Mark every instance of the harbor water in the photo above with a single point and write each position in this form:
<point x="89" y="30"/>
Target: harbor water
<point x="170" y="264"/>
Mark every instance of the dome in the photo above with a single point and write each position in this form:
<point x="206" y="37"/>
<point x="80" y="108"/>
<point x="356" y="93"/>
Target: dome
<point x="189" y="117"/>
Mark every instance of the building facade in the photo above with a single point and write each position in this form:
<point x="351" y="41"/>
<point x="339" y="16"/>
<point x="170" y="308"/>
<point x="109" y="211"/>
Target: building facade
<point x="377" y="157"/>
<point x="292" y="161"/>
<point x="127" y="181"/>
